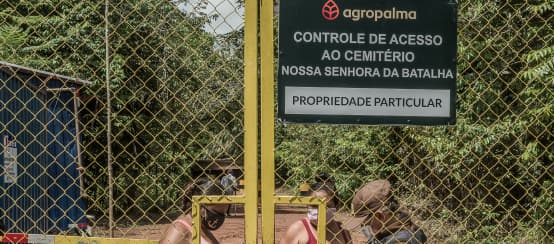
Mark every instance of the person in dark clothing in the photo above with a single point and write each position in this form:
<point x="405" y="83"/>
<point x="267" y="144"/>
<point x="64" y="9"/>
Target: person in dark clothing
<point x="380" y="217"/>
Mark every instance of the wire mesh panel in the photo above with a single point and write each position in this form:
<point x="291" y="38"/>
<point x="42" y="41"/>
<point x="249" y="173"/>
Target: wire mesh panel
<point x="42" y="178"/>
<point x="164" y="108"/>
<point x="487" y="179"/>
<point x="110" y="109"/>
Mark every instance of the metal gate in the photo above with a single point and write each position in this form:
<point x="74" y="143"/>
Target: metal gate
<point x="178" y="90"/>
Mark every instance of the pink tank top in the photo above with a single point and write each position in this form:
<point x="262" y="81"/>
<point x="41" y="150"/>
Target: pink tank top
<point x="313" y="240"/>
<point x="188" y="227"/>
<point x="311" y="236"/>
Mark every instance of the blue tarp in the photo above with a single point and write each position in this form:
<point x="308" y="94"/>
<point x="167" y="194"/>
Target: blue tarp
<point x="68" y="207"/>
<point x="46" y="196"/>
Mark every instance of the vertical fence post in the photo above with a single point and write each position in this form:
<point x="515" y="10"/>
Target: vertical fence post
<point x="267" y="121"/>
<point x="251" y="121"/>
<point x="109" y="117"/>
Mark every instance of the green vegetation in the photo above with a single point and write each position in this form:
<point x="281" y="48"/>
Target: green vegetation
<point x="176" y="97"/>
<point x="489" y="178"/>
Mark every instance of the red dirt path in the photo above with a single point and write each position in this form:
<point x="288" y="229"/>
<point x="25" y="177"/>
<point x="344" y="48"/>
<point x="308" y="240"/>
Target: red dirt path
<point x="232" y="232"/>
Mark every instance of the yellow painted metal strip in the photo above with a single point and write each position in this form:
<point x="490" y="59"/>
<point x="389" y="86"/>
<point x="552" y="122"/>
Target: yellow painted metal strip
<point x="98" y="240"/>
<point x="321" y="222"/>
<point x="267" y="121"/>
<point x="298" y="200"/>
<point x="218" y="199"/>
<point x="251" y="121"/>
<point x="195" y="221"/>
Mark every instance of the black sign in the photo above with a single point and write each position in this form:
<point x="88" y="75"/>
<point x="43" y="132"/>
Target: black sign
<point x="367" y="62"/>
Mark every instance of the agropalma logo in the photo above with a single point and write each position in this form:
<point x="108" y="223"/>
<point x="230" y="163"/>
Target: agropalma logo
<point x="331" y="11"/>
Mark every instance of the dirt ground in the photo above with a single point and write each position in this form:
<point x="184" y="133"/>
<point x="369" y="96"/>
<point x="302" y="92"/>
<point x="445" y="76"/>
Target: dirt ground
<point x="232" y="232"/>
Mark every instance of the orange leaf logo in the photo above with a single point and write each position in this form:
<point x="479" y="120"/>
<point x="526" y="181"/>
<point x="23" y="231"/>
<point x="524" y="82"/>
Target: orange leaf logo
<point x="330" y="10"/>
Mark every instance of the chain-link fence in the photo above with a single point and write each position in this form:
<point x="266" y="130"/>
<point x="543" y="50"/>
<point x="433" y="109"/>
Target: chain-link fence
<point x="142" y="97"/>
<point x="487" y="179"/>
<point x="164" y="107"/>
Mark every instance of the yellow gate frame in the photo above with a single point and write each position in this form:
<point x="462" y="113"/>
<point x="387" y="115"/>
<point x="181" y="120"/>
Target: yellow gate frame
<point x="250" y="197"/>
<point x="267" y="107"/>
<point x="198" y="201"/>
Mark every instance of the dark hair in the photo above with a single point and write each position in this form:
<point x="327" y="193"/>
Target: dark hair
<point x="200" y="186"/>
<point x="324" y="177"/>
<point x="328" y="187"/>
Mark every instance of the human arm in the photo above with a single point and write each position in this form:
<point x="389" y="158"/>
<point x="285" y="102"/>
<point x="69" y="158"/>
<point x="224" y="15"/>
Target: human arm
<point x="345" y="235"/>
<point x="296" y="233"/>
<point x="177" y="232"/>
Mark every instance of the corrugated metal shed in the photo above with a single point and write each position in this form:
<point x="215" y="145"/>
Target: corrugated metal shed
<point x="40" y="184"/>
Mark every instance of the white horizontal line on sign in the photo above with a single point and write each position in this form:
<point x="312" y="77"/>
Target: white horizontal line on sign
<point x="367" y="101"/>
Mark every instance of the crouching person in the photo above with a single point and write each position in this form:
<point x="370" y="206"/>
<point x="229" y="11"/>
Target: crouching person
<point x="380" y="217"/>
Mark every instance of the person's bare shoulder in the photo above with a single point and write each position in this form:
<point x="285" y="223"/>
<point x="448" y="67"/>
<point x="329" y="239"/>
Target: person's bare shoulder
<point x="296" y="233"/>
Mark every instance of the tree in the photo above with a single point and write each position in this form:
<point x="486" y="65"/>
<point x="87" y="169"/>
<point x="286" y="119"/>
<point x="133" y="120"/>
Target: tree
<point x="176" y="96"/>
<point x="488" y="171"/>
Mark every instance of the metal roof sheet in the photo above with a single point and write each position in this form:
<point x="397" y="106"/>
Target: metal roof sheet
<point x="14" y="68"/>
